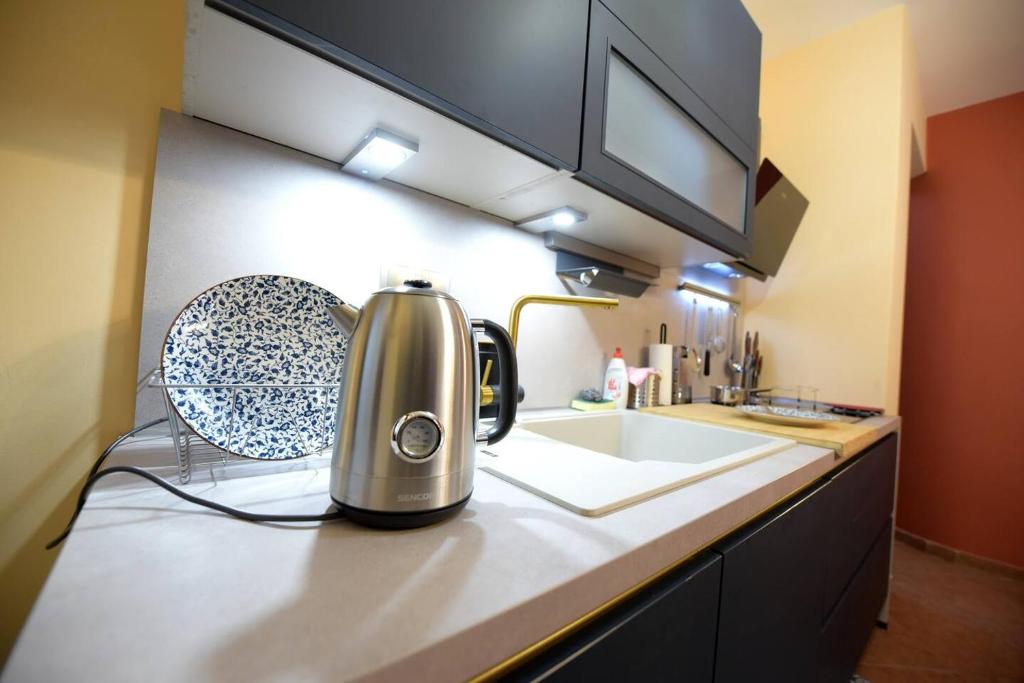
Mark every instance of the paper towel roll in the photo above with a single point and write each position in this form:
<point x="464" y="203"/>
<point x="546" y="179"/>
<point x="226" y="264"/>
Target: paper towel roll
<point x="659" y="357"/>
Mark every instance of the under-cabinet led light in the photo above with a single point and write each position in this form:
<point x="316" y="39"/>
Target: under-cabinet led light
<point x="556" y="218"/>
<point x="723" y="269"/>
<point x="379" y="153"/>
<point x="563" y="219"/>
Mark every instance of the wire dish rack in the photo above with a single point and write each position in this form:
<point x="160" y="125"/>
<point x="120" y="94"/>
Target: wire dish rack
<point x="192" y="450"/>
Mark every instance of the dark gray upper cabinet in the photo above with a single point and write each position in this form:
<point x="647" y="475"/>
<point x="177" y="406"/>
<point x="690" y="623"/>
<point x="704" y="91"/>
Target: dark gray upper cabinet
<point x="770" y="610"/>
<point x="510" y="69"/>
<point x="713" y="45"/>
<point x="653" y="102"/>
<point x="667" y="633"/>
<point x="653" y="142"/>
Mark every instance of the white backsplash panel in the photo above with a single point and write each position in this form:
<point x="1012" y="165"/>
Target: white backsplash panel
<point x="227" y="204"/>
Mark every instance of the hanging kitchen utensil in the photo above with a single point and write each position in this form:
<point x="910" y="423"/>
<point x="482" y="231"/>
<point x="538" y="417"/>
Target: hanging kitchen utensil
<point x="744" y="375"/>
<point x="707" y="342"/>
<point x="694" y="352"/>
<point x="719" y="337"/>
<point x="684" y="350"/>
<point x="732" y="364"/>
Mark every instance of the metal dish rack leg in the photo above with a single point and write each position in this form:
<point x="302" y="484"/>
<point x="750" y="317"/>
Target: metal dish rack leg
<point x="182" y="450"/>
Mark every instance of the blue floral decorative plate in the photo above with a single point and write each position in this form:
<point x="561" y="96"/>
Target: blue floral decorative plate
<point x="264" y="330"/>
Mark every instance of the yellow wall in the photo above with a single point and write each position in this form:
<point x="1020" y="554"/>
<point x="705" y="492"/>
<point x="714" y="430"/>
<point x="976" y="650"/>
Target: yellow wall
<point x="837" y="116"/>
<point x="81" y="87"/>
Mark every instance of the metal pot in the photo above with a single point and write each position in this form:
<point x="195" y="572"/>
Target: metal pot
<point x="682" y="394"/>
<point x="727" y="395"/>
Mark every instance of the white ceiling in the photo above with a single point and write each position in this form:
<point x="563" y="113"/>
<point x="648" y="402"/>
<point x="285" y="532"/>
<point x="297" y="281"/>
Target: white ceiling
<point x="968" y="51"/>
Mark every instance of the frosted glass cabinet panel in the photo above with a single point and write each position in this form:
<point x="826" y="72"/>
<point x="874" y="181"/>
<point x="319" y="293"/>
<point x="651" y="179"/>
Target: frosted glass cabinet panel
<point x="648" y="131"/>
<point x="653" y="142"/>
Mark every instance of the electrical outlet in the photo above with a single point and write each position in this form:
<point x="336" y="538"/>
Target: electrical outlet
<point x="394" y="275"/>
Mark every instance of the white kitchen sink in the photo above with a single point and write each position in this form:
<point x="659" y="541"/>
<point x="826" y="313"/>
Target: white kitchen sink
<point x="596" y="463"/>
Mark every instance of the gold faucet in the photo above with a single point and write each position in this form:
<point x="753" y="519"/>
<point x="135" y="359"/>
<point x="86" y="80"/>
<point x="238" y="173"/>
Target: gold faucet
<point x="554" y="300"/>
<point x="486" y="391"/>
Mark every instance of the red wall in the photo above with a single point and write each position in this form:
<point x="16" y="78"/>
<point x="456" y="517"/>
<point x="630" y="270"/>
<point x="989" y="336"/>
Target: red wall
<point x="962" y="388"/>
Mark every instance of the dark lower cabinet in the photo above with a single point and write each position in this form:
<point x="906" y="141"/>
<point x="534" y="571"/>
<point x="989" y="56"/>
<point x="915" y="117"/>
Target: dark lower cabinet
<point x="863" y="496"/>
<point x="802" y="587"/>
<point x="751" y="608"/>
<point x="665" y="634"/>
<point x="849" y="627"/>
<point x="770" y="610"/>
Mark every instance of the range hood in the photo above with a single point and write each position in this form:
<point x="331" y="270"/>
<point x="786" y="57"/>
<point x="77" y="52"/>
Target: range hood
<point x="779" y="208"/>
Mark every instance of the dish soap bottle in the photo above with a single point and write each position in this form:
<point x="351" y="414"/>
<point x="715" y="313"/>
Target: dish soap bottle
<point x="615" y="380"/>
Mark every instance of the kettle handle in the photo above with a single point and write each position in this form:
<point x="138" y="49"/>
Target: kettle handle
<point x="509" y="381"/>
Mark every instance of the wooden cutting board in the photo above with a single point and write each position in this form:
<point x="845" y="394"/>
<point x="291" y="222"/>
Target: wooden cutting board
<point x="844" y="438"/>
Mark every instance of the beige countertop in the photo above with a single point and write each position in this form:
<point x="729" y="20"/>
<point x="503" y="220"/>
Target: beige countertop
<point x="845" y="438"/>
<point x="148" y="587"/>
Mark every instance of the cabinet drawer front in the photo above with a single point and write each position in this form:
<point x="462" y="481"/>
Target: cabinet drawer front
<point x="667" y="633"/>
<point x="847" y="631"/>
<point x="649" y="140"/>
<point x="863" y="502"/>
<point x="770" y="613"/>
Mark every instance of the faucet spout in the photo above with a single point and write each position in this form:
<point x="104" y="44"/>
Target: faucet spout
<point x="345" y="317"/>
<point x="556" y="300"/>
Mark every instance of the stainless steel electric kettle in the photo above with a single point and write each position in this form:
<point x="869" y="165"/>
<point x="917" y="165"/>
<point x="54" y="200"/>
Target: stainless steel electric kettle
<point x="408" y="407"/>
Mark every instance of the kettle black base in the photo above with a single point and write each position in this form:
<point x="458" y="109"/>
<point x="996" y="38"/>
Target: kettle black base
<point x="401" y="520"/>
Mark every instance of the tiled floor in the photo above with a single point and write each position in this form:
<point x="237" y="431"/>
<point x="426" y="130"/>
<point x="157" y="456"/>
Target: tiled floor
<point x="949" y="623"/>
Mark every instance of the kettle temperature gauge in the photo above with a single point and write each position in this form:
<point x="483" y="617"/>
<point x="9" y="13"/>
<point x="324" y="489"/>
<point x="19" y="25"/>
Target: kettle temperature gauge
<point x="417" y="436"/>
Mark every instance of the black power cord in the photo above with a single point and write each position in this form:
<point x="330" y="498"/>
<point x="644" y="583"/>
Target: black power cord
<point x="95" y="475"/>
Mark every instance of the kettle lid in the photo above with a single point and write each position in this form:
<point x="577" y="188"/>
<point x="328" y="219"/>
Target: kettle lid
<point x="420" y="287"/>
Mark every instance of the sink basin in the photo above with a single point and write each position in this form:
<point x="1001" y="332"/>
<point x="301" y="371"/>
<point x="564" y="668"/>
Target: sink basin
<point x="594" y="464"/>
<point x="641" y="436"/>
